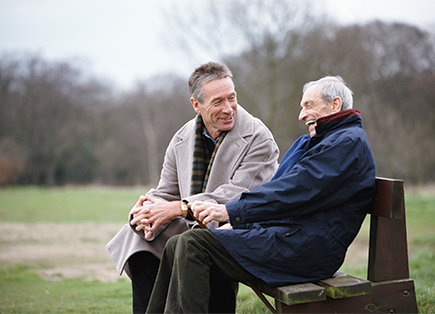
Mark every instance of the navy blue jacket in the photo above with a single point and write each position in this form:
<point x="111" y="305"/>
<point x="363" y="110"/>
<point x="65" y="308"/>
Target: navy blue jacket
<point x="297" y="227"/>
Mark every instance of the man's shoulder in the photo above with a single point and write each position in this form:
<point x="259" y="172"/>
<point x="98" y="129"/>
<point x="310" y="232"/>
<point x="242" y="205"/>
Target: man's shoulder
<point x="247" y="124"/>
<point x="354" y="132"/>
<point x="353" y="137"/>
<point x="186" y="129"/>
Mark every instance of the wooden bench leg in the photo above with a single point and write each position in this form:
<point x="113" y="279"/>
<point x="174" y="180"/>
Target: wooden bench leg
<point x="262" y="297"/>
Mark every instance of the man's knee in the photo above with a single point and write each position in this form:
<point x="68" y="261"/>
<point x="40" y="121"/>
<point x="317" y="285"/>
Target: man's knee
<point x="195" y="242"/>
<point x="189" y="241"/>
<point x="172" y="242"/>
<point x="192" y="236"/>
<point x="171" y="245"/>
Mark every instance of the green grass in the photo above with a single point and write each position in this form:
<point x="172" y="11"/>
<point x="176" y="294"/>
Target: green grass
<point x="422" y="270"/>
<point x="421" y="244"/>
<point x="22" y="291"/>
<point x="69" y="204"/>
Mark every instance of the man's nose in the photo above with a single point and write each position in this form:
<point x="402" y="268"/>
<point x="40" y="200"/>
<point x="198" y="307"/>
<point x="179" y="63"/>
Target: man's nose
<point x="227" y="107"/>
<point x="302" y="115"/>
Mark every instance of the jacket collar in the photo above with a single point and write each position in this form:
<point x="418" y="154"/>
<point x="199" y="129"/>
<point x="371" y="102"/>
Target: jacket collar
<point x="327" y="123"/>
<point x="338" y="115"/>
<point x="332" y="122"/>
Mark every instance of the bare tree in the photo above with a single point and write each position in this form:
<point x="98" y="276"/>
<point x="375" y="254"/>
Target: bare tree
<point x="45" y="106"/>
<point x="162" y="109"/>
<point x="139" y="128"/>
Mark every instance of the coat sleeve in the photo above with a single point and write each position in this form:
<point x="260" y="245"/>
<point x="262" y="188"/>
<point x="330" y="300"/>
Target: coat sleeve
<point x="325" y="175"/>
<point x="168" y="188"/>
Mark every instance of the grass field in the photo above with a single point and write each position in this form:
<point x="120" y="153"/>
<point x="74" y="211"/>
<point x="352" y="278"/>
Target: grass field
<point x="53" y="257"/>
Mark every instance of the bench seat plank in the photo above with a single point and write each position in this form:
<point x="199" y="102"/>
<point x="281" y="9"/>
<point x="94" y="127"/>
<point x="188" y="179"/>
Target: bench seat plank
<point x="342" y="286"/>
<point x="297" y="293"/>
<point x="396" y="296"/>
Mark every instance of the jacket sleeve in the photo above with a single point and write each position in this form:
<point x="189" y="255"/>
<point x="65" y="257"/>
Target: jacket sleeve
<point x="325" y="175"/>
<point x="167" y="188"/>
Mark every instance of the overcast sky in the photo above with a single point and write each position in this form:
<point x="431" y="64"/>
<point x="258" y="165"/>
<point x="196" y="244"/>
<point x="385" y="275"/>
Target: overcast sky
<point x="121" y="39"/>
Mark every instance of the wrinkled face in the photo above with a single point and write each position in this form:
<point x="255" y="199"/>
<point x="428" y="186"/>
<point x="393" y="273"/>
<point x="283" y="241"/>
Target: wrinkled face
<point x="313" y="107"/>
<point x="219" y="109"/>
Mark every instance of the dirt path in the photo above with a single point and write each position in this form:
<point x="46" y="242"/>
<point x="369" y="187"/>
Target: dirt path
<point x="59" y="251"/>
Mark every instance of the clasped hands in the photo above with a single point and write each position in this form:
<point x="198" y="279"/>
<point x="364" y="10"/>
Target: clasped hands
<point x="149" y="216"/>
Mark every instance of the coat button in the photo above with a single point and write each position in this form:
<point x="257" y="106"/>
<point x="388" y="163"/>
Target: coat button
<point x="237" y="219"/>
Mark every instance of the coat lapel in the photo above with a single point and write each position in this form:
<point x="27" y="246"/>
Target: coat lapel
<point x="230" y="151"/>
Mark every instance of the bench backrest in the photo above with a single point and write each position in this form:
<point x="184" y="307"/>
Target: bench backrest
<point x="388" y="250"/>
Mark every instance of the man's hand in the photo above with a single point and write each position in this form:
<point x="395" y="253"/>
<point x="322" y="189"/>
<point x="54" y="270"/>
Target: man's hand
<point x="206" y="212"/>
<point x="227" y="226"/>
<point x="149" y="217"/>
<point x="138" y="206"/>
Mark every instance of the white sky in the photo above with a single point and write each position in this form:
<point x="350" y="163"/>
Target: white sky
<point x="120" y="39"/>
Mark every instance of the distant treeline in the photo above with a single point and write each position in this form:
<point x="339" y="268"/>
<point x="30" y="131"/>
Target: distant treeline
<point x="58" y="125"/>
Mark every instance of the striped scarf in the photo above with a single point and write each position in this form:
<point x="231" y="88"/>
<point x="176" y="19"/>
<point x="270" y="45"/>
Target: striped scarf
<point x="202" y="161"/>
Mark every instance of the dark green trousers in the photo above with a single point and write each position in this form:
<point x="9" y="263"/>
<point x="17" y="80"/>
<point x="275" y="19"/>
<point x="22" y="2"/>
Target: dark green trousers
<point x="197" y="275"/>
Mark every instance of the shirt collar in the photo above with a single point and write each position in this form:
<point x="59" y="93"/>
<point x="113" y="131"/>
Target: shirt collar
<point x="205" y="133"/>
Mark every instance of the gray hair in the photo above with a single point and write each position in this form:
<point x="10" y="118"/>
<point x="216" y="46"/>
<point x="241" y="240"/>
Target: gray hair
<point x="331" y="87"/>
<point x="203" y="74"/>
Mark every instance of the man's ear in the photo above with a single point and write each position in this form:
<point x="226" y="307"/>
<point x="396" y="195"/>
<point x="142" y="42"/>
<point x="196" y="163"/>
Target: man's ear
<point x="336" y="105"/>
<point x="195" y="104"/>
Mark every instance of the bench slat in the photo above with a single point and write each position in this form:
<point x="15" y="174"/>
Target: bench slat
<point x="297" y="293"/>
<point x="344" y="286"/>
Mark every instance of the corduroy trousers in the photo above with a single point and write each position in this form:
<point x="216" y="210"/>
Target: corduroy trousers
<point x="197" y="275"/>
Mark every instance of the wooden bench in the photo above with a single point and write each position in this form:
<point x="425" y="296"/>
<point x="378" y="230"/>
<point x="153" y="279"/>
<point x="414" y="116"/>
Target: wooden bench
<point x="388" y="287"/>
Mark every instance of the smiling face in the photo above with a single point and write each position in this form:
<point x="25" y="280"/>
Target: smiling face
<point x="314" y="107"/>
<point x="219" y="109"/>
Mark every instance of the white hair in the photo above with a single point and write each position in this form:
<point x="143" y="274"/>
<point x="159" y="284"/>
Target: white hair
<point x="331" y="87"/>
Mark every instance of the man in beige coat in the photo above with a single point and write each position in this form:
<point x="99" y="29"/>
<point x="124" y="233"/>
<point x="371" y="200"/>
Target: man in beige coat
<point x="214" y="157"/>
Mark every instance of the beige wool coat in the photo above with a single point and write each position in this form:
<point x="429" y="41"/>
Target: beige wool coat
<point x="246" y="158"/>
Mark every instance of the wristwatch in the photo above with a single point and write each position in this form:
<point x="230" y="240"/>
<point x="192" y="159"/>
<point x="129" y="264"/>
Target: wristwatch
<point x="184" y="208"/>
